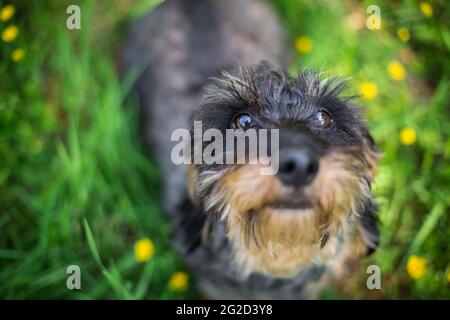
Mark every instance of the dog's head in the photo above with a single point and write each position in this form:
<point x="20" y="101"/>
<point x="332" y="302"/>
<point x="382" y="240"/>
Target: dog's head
<point x="321" y="190"/>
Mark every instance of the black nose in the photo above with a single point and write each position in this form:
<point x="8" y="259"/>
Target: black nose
<point x="298" y="167"/>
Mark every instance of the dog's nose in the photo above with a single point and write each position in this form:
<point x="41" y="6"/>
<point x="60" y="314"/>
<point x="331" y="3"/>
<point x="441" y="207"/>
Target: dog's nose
<point x="298" y="167"/>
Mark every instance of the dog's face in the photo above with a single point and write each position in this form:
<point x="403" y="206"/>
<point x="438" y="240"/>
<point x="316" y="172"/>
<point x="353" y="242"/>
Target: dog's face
<point x="279" y="223"/>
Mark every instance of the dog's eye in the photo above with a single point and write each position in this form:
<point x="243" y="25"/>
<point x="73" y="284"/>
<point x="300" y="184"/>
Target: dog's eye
<point x="324" y="119"/>
<point x="243" y="122"/>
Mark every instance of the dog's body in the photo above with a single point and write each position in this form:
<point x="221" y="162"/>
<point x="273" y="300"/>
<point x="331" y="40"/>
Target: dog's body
<point x="181" y="45"/>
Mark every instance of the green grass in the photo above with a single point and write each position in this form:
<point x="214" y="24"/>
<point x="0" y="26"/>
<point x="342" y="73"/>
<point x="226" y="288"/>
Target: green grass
<point x="76" y="187"/>
<point x="74" y="171"/>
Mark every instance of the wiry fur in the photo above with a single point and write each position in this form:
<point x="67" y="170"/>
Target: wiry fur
<point x="230" y="223"/>
<point x="281" y="242"/>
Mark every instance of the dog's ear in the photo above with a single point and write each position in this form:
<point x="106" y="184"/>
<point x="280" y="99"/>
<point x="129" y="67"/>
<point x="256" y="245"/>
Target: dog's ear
<point x="368" y="227"/>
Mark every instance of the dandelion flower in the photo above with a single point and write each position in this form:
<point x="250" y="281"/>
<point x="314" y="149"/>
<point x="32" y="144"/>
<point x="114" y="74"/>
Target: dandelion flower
<point x="396" y="70"/>
<point x="403" y="34"/>
<point x="416" y="267"/>
<point x="143" y="250"/>
<point x="368" y="90"/>
<point x="304" y="44"/>
<point x="17" y="55"/>
<point x="179" y="282"/>
<point x="407" y="136"/>
<point x="426" y="9"/>
<point x="448" y="277"/>
<point x="10" y="33"/>
<point x="7" y="12"/>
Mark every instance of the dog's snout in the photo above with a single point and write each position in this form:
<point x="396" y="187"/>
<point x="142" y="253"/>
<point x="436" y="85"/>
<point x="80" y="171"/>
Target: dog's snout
<point x="298" y="167"/>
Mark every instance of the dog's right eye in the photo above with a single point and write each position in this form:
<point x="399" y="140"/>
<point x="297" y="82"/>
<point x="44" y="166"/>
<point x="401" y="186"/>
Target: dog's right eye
<point x="324" y="119"/>
<point x="243" y="122"/>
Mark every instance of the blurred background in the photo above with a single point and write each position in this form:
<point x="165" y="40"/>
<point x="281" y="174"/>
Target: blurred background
<point x="77" y="188"/>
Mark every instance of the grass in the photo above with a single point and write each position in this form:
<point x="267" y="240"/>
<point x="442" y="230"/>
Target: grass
<point x="76" y="187"/>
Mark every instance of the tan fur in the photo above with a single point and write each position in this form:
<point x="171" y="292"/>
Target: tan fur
<point x="371" y="156"/>
<point x="192" y="176"/>
<point x="278" y="242"/>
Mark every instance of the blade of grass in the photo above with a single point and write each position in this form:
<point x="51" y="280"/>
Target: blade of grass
<point x="144" y="281"/>
<point x="113" y="280"/>
<point x="92" y="244"/>
<point x="427" y="227"/>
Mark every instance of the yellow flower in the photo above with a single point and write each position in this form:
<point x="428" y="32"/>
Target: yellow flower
<point x="396" y="70"/>
<point x="7" y="13"/>
<point x="403" y="34"/>
<point x="143" y="250"/>
<point x="10" y="33"/>
<point x="17" y="55"/>
<point x="368" y="90"/>
<point x="179" y="282"/>
<point x="416" y="267"/>
<point x="407" y="136"/>
<point x="304" y="44"/>
<point x="448" y="277"/>
<point x="426" y="9"/>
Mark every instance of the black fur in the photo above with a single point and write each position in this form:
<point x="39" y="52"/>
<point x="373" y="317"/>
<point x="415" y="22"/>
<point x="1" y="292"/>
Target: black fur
<point x="180" y="46"/>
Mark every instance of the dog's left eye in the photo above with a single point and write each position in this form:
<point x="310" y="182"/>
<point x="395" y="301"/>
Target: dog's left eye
<point x="324" y="119"/>
<point x="243" y="122"/>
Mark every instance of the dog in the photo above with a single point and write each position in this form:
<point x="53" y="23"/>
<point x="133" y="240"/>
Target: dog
<point x="245" y="235"/>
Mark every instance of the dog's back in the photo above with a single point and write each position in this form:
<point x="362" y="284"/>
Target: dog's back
<point x="179" y="46"/>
